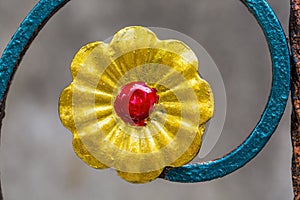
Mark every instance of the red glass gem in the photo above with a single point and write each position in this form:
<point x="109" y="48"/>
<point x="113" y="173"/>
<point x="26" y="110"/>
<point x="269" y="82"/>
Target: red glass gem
<point x="135" y="102"/>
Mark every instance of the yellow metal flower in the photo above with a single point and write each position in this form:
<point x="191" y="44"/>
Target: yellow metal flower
<point x="136" y="104"/>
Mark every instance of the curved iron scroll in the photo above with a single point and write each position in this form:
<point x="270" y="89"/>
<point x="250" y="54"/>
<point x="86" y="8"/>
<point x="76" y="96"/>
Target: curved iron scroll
<point x="198" y="172"/>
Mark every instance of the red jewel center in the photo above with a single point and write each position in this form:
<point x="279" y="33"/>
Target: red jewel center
<point x="135" y="102"/>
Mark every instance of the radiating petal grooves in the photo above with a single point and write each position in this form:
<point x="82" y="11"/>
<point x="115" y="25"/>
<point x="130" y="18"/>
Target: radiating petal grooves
<point x="173" y="133"/>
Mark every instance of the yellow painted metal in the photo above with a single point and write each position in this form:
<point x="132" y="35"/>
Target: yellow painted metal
<point x="173" y="134"/>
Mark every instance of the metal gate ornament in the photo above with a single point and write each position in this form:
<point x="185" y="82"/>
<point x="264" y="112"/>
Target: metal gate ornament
<point x="191" y="172"/>
<point x="136" y="104"/>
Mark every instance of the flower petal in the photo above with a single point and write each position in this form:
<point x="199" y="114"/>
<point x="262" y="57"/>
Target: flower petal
<point x="179" y="48"/>
<point x="81" y="56"/>
<point x="193" y="149"/>
<point x="65" y="108"/>
<point x="140" y="177"/>
<point x="130" y="39"/>
<point x="85" y="155"/>
<point x="203" y="92"/>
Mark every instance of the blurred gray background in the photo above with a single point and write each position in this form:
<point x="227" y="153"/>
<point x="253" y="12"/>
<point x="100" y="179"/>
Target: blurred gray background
<point x="37" y="161"/>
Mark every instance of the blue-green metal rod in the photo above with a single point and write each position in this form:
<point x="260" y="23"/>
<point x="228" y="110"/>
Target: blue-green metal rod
<point x="19" y="44"/>
<point x="193" y="172"/>
<point x="271" y="115"/>
<point x="22" y="39"/>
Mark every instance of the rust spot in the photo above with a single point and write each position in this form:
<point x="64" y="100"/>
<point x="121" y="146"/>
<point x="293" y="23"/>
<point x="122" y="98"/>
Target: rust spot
<point x="295" y="83"/>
